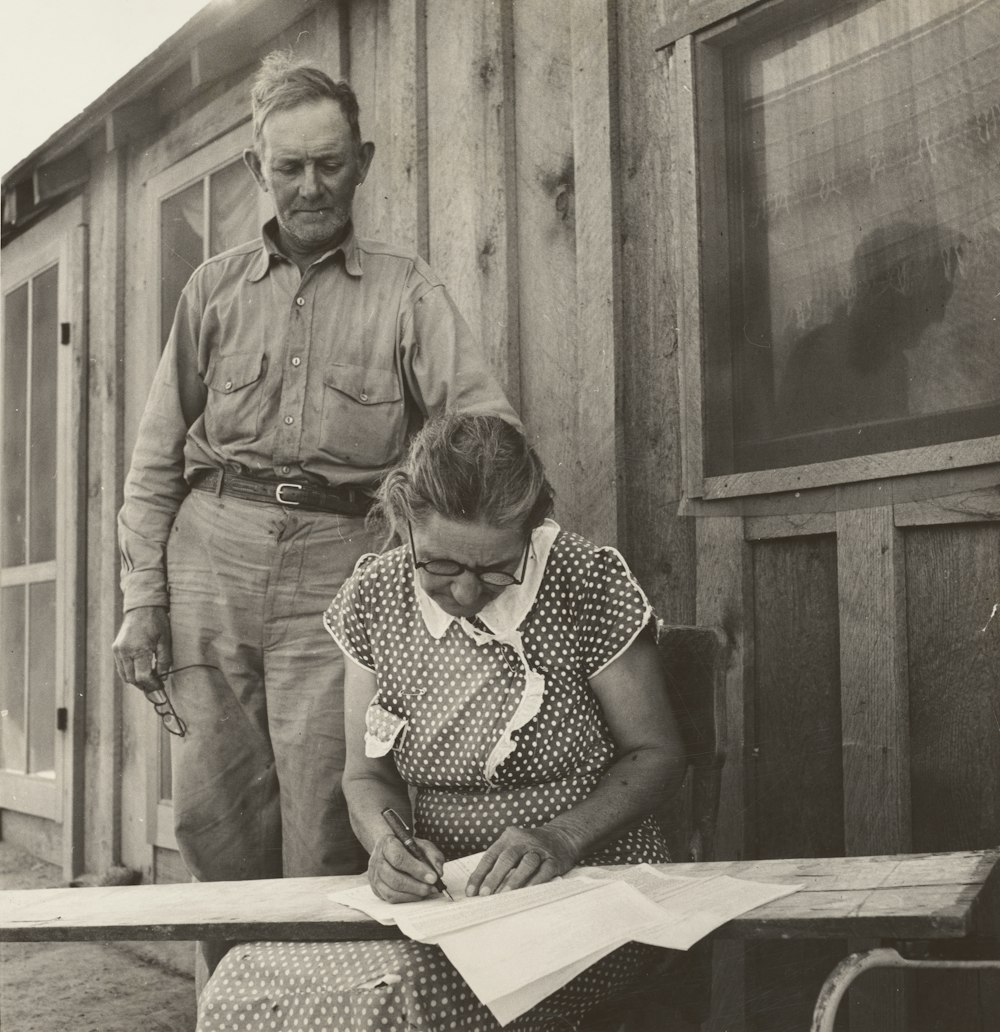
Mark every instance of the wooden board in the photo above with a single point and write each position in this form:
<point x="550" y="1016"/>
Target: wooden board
<point x="550" y="377"/>
<point x="470" y="159"/>
<point x="954" y="677"/>
<point x="107" y="447"/>
<point x="875" y="731"/>
<point x="923" y="896"/>
<point x="598" y="289"/>
<point x="282" y="909"/>
<point x="389" y="77"/>
<point x="874" y="715"/>
<point x="796" y="765"/>
<point x="658" y="543"/>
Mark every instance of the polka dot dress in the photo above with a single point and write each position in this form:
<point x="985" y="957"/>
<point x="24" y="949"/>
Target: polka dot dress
<point x="447" y="695"/>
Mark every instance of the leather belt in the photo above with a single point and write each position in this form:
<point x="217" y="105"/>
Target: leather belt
<point x="297" y="494"/>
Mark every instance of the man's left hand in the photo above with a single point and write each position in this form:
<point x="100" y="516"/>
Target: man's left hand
<point x="520" y="857"/>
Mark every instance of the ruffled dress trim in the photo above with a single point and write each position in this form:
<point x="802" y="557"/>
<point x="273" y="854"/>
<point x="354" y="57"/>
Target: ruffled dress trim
<point x="504" y="616"/>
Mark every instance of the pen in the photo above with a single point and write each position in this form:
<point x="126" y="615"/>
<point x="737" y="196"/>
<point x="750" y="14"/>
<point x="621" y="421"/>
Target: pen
<point x="402" y="833"/>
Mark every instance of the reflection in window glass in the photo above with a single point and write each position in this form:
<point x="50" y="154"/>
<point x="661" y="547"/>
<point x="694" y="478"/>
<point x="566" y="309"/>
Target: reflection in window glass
<point x="15" y="426"/>
<point x="182" y="219"/>
<point x="42" y="678"/>
<point x="232" y="207"/>
<point x="44" y="378"/>
<point x="864" y="149"/>
<point x="231" y="220"/>
<point x="12" y="627"/>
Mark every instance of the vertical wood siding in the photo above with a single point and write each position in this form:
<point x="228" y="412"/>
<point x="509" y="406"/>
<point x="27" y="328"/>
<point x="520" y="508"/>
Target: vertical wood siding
<point x="471" y="172"/>
<point x="798" y="775"/>
<point x="658" y="543"/>
<point x="953" y="576"/>
<point x="497" y="156"/>
<point x="795" y="759"/>
<point x="953" y="585"/>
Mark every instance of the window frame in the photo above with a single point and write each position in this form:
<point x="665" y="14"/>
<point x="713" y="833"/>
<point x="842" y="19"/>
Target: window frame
<point x="199" y="165"/>
<point x="702" y="218"/>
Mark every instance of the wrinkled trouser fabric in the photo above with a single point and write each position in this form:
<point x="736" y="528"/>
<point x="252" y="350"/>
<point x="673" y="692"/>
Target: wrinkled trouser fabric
<point x="257" y="778"/>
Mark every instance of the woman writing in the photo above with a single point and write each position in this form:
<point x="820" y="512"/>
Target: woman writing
<point x="500" y="671"/>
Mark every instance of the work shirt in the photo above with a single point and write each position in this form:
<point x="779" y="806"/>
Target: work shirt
<point x="321" y="376"/>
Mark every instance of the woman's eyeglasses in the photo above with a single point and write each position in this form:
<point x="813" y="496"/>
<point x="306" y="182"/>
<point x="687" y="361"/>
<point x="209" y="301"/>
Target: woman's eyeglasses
<point x="489" y="575"/>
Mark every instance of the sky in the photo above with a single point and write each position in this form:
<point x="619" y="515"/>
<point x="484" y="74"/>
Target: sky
<point x="57" y="56"/>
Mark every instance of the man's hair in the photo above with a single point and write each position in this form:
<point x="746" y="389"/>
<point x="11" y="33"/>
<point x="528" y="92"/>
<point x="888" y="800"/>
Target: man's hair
<point x="467" y="468"/>
<point x="283" y="83"/>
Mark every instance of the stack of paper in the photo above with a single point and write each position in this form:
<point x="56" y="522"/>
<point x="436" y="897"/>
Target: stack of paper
<point x="515" y="948"/>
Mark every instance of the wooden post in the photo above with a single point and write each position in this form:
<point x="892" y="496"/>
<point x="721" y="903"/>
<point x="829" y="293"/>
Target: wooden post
<point x="724" y="596"/>
<point x="75" y="636"/>
<point x="106" y="405"/>
<point x="874" y="717"/>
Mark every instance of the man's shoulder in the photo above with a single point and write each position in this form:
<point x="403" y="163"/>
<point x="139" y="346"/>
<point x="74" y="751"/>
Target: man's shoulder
<point x="233" y="259"/>
<point x="375" y="251"/>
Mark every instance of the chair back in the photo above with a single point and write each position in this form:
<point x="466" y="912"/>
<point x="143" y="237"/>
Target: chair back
<point x="694" y="661"/>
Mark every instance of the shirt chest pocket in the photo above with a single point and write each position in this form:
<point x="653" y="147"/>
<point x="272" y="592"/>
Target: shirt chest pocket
<point x="363" y="420"/>
<point x="232" y="409"/>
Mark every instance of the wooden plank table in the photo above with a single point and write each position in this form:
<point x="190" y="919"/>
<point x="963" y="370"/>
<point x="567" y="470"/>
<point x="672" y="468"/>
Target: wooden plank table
<point x="908" y="897"/>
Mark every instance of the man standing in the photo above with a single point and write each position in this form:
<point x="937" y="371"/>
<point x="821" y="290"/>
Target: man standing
<point x="296" y="370"/>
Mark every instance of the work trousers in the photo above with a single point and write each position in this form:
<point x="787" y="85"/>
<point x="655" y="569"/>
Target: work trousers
<point x="259" y="684"/>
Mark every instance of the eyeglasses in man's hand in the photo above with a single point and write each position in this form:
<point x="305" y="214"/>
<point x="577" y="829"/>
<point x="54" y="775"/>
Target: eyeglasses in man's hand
<point x="162" y="704"/>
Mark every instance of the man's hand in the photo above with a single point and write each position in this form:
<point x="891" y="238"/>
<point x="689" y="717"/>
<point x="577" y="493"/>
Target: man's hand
<point x="521" y="857"/>
<point x="142" y="649"/>
<point x="397" y="877"/>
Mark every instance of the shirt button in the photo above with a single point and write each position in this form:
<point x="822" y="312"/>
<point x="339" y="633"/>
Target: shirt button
<point x="296" y="361"/>
<point x="229" y="385"/>
<point x="289" y="420"/>
<point x="363" y="396"/>
<point x="300" y="301"/>
<point x="286" y="470"/>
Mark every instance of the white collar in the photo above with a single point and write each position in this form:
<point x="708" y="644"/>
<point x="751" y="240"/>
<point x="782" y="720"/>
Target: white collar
<point x="505" y="613"/>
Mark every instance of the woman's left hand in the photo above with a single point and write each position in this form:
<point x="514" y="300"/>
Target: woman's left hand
<point x="520" y="857"/>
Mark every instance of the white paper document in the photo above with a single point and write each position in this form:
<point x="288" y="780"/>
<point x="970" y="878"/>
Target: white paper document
<point x="690" y="908"/>
<point x="516" y="948"/>
<point x="429" y="919"/>
<point x="455" y="876"/>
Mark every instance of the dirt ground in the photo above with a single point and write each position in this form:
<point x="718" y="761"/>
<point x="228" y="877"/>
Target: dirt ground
<point x="83" y="987"/>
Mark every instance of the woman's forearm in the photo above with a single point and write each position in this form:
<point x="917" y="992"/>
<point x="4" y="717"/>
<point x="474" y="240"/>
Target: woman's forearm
<point x="367" y="796"/>
<point x="634" y="785"/>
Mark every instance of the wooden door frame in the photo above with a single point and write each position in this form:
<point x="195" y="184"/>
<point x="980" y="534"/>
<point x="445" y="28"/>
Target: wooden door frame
<point x="62" y="239"/>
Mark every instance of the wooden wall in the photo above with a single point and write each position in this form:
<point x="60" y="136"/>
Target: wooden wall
<point x="523" y="147"/>
<point x="864" y="710"/>
<point x="528" y="149"/>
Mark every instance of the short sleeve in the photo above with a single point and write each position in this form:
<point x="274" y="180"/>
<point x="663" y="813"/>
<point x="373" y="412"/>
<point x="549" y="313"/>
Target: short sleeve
<point x="613" y="611"/>
<point x="348" y="616"/>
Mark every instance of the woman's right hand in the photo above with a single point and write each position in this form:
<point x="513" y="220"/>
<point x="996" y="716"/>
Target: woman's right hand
<point x="398" y="877"/>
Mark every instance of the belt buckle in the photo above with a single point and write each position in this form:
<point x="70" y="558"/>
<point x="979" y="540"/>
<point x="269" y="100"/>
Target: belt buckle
<point x="286" y="501"/>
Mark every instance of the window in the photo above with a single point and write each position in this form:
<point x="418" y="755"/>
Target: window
<point x="27" y="531"/>
<point x="848" y="227"/>
<point x="215" y="212"/>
